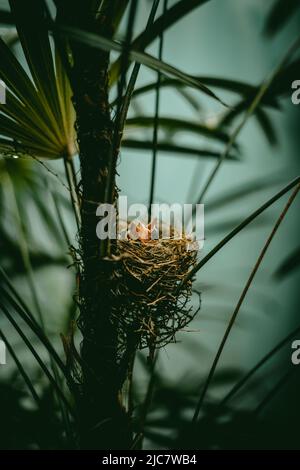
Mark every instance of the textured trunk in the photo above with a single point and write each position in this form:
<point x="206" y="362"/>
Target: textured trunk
<point x="101" y="409"/>
<point x="103" y="421"/>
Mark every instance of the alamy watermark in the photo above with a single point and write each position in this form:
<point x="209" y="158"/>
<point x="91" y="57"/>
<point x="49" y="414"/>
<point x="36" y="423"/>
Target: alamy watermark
<point x="2" y="92"/>
<point x="296" y="353"/>
<point x="296" y="94"/>
<point x="176" y="221"/>
<point x="2" y="353"/>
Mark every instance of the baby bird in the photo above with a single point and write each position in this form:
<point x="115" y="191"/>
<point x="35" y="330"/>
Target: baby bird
<point x="143" y="232"/>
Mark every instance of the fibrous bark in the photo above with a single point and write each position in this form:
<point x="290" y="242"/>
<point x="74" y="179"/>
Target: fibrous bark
<point x="103" y="422"/>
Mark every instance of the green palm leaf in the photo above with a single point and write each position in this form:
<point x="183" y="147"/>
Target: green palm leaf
<point x="177" y="125"/>
<point x="175" y="149"/>
<point x="38" y="117"/>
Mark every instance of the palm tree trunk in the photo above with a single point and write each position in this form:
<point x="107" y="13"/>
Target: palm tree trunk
<point x="104" y="423"/>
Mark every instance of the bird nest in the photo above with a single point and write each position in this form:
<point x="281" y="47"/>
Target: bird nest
<point x="151" y="303"/>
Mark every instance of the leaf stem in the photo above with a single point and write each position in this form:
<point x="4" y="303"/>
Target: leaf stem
<point x="156" y="118"/>
<point x="71" y="179"/>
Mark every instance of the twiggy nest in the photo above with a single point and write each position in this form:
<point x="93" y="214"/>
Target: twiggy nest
<point x="151" y="306"/>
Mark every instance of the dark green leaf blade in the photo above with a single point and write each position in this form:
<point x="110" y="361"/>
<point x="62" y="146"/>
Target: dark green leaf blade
<point x="168" y="147"/>
<point x="266" y="126"/>
<point x="289" y="265"/>
<point x="173" y="125"/>
<point x="280" y="13"/>
<point x="33" y="34"/>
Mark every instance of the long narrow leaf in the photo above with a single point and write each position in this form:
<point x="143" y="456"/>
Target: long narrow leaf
<point x="21" y="369"/>
<point x="175" y="149"/>
<point x="280" y="13"/>
<point x="23" y="311"/>
<point x="267" y="126"/>
<point x="37" y="357"/>
<point x="289" y="265"/>
<point x="178" y="125"/>
<point x="100" y="42"/>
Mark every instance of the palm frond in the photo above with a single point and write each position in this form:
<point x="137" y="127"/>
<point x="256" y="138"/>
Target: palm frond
<point x="38" y="117"/>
